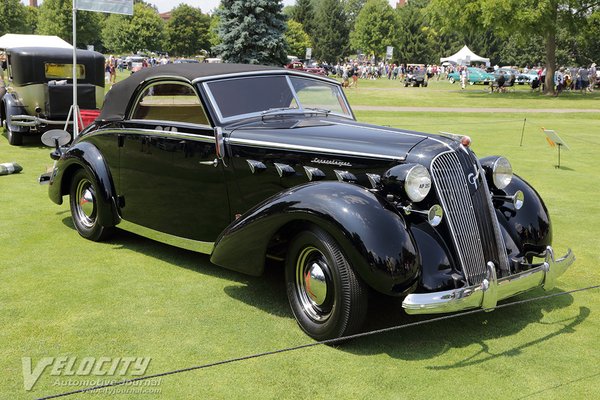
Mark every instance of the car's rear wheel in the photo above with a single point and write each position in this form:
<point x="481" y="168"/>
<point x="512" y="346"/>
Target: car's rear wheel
<point x="84" y="207"/>
<point x="326" y="297"/>
<point x="472" y="83"/>
<point x="14" y="138"/>
<point x="451" y="80"/>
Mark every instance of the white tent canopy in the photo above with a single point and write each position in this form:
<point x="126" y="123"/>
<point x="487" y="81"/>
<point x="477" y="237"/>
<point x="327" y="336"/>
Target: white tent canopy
<point x="11" y="40"/>
<point x="465" y="56"/>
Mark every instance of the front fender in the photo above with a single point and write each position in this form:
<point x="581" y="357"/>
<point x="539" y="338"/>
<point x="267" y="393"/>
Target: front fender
<point x="13" y="107"/>
<point x="528" y="230"/>
<point x="373" y="235"/>
<point x="86" y="155"/>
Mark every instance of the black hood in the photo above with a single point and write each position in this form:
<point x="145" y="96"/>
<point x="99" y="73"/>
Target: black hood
<point x="340" y="136"/>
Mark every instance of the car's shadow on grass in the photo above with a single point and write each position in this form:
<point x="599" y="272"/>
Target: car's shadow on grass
<point x="266" y="292"/>
<point x="421" y="340"/>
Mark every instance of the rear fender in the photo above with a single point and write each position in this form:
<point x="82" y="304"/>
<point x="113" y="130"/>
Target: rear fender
<point x="85" y="155"/>
<point x="13" y="107"/>
<point x="372" y="235"/>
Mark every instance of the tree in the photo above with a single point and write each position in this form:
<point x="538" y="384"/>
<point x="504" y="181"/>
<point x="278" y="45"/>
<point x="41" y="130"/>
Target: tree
<point x="142" y="31"/>
<point x="527" y="17"/>
<point x="187" y="31"/>
<point x="55" y="17"/>
<point x="296" y="39"/>
<point x="115" y="32"/>
<point x="252" y="32"/>
<point x="331" y="31"/>
<point x="304" y="12"/>
<point x="146" y="28"/>
<point x="12" y="17"/>
<point x="415" y="40"/>
<point x="352" y="8"/>
<point x="376" y="28"/>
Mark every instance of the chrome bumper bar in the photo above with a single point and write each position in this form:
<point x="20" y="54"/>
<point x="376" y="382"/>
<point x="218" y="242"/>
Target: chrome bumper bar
<point x="491" y="290"/>
<point x="31" y="120"/>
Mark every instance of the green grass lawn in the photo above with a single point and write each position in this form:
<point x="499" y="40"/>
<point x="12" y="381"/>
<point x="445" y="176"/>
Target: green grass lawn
<point x="62" y="295"/>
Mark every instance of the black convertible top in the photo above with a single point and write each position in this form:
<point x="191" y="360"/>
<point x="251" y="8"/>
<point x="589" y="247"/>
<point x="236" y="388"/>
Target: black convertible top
<point x="117" y="98"/>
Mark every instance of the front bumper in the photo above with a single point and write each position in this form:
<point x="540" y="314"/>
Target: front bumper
<point x="491" y="290"/>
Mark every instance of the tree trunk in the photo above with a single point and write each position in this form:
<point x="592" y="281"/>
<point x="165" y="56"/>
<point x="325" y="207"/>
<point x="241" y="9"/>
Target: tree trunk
<point x="551" y="51"/>
<point x="550" y="62"/>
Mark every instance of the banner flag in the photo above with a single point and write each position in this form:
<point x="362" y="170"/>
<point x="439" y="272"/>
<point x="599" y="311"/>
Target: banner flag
<point x="107" y="6"/>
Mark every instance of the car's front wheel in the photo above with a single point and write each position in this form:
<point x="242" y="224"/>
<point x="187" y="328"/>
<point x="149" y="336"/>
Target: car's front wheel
<point x="326" y="297"/>
<point x="451" y="80"/>
<point x="84" y="207"/>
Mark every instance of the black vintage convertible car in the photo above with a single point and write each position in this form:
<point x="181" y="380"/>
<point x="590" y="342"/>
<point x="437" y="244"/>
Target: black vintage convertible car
<point x="247" y="163"/>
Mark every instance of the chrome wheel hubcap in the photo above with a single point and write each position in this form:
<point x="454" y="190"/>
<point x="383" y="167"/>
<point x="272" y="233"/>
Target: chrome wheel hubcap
<point x="313" y="284"/>
<point x="86" y="203"/>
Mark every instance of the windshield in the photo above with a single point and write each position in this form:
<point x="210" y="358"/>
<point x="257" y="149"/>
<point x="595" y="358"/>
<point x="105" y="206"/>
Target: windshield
<point x="252" y="96"/>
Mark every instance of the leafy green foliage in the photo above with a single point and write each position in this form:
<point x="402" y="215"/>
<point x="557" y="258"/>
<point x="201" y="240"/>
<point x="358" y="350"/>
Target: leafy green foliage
<point x="376" y="27"/>
<point x="331" y="33"/>
<point x="352" y="8"/>
<point x="13" y="17"/>
<point x="187" y="31"/>
<point x="297" y="40"/>
<point x="251" y="32"/>
<point x="56" y="18"/>
<point x="143" y="31"/>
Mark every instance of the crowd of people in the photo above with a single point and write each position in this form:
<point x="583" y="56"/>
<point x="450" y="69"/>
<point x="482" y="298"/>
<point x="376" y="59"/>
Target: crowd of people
<point x="582" y="78"/>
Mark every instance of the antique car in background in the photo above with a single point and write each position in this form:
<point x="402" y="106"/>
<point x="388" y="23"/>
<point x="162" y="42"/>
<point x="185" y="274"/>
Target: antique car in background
<point x="39" y="91"/>
<point x="415" y="77"/>
<point x="249" y="163"/>
<point x="475" y="76"/>
<point x="299" y="66"/>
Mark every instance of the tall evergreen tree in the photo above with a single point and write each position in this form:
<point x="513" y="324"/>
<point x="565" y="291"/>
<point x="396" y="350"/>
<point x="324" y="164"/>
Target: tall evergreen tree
<point x="331" y="33"/>
<point x="304" y="12"/>
<point x="252" y="32"/>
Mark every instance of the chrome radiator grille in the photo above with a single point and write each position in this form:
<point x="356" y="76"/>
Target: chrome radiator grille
<point x="472" y="221"/>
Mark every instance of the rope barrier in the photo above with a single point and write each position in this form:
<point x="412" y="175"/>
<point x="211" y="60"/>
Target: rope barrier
<point x="307" y="345"/>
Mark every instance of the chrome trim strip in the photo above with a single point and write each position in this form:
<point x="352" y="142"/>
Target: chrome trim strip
<point x="184" y="243"/>
<point x="259" y="143"/>
<point x="152" y="132"/>
<point x="491" y="289"/>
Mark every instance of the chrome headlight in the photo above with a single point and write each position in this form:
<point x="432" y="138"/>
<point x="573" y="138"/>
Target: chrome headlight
<point x="502" y="173"/>
<point x="413" y="179"/>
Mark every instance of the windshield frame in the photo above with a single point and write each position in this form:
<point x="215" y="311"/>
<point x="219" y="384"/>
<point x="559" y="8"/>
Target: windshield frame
<point x="287" y="76"/>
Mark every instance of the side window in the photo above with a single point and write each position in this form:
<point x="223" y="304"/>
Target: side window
<point x="174" y="102"/>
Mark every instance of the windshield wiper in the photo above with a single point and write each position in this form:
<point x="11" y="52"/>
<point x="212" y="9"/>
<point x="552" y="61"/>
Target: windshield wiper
<point x="278" y="110"/>
<point x="318" y="110"/>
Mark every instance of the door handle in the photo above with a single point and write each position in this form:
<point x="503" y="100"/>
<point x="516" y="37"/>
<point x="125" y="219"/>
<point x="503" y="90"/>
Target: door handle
<point x="214" y="162"/>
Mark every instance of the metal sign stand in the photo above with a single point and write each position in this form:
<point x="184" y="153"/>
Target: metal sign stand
<point x="555" y="141"/>
<point x="74" y="110"/>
